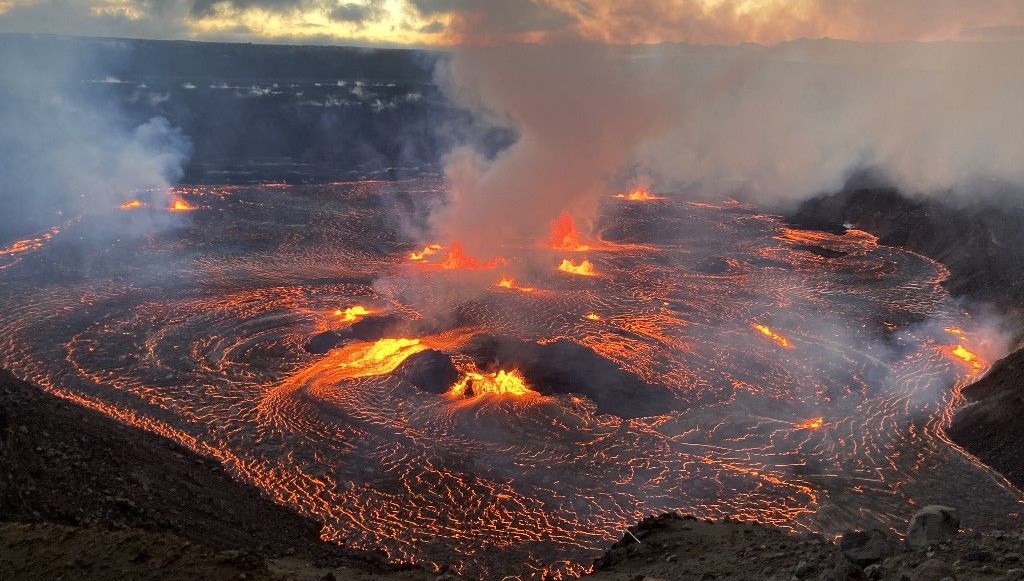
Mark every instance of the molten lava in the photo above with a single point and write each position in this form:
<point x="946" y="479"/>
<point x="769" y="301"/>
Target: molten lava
<point x="510" y="283"/>
<point x="967" y="356"/>
<point x="565" y="236"/>
<point x="378" y="358"/>
<point x="351" y="313"/>
<point x="458" y="259"/>
<point x="810" y="424"/>
<point x="768" y="332"/>
<point x="639" y="194"/>
<point x="428" y="250"/>
<point x="28" y="244"/>
<point x="592" y="317"/>
<point x="132" y="205"/>
<point x="180" y="205"/>
<point x="584" y="268"/>
<point x="500" y="383"/>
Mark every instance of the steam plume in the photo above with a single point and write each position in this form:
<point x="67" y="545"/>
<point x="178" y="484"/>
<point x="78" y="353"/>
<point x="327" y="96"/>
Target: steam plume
<point x="68" y="148"/>
<point x="774" y="124"/>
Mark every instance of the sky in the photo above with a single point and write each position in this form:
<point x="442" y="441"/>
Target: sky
<point x="442" y="23"/>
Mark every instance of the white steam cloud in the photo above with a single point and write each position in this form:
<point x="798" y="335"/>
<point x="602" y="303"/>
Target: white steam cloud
<point x="68" y="147"/>
<point x="772" y="124"/>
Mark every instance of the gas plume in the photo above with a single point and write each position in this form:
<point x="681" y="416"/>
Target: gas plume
<point x="770" y="124"/>
<point x="68" y="148"/>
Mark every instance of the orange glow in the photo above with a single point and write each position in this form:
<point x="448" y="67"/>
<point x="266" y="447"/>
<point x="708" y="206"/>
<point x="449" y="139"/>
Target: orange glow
<point x="427" y="251"/>
<point x="592" y="317"/>
<point x="35" y="243"/>
<point x="565" y="236"/>
<point x="458" y="259"/>
<point x="500" y="383"/>
<point x="768" y="332"/>
<point x="968" y="357"/>
<point x="377" y="358"/>
<point x="810" y="424"/>
<point x="584" y="268"/>
<point x="957" y="331"/>
<point x="132" y="205"/>
<point x="180" y="205"/>
<point x="352" y="313"/>
<point x="510" y="283"/>
<point x="639" y="194"/>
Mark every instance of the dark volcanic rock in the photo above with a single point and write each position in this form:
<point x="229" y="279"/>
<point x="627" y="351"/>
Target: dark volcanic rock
<point x="370" y="328"/>
<point x="65" y="464"/>
<point x="430" y="371"/>
<point x="992" y="425"/>
<point x="981" y="242"/>
<point x="863" y="548"/>
<point x="932" y="524"/>
<point x="323" y="342"/>
<point x="564" y="367"/>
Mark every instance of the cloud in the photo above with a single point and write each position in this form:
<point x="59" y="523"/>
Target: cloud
<point x="492" y="22"/>
<point x="717" y="21"/>
<point x="358" y="13"/>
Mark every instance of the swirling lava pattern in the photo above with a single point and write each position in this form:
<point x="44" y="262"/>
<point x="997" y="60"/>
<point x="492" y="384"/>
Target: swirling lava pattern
<point x="812" y="373"/>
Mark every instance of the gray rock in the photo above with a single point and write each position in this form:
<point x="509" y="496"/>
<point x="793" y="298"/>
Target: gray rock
<point x="863" y="548"/>
<point x="842" y="570"/>
<point x="1015" y="573"/>
<point x="932" y="524"/>
<point x="932" y="570"/>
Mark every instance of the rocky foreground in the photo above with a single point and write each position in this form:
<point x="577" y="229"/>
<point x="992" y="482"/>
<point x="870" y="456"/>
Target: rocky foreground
<point x="670" y="547"/>
<point x="83" y="497"/>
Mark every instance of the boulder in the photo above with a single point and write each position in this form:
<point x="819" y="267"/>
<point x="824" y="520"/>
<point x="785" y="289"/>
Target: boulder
<point x="932" y="524"/>
<point x="932" y="570"/>
<point x="864" y="548"/>
<point x="842" y="570"/>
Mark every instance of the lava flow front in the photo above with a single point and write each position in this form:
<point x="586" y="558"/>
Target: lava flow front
<point x="714" y="362"/>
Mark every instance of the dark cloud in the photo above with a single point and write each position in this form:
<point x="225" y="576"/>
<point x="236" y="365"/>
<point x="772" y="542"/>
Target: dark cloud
<point x="358" y="13"/>
<point x="202" y="8"/>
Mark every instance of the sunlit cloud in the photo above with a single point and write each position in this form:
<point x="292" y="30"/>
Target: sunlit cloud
<point x="489" y="22"/>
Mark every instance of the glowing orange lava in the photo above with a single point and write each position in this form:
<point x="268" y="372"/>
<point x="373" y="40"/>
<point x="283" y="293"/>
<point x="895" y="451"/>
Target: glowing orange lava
<point x="592" y="317"/>
<point x="180" y="205"/>
<point x="565" y="236"/>
<point x="639" y="194"/>
<point x="500" y="383"/>
<point x="584" y="268"/>
<point x="810" y="424"/>
<point x="352" y="313"/>
<point x="957" y="331"/>
<point x="458" y="259"/>
<point x="967" y="356"/>
<point x="427" y="251"/>
<point x="378" y="358"/>
<point x="768" y="332"/>
<point x="510" y="283"/>
<point x="28" y="244"/>
<point x="132" y="205"/>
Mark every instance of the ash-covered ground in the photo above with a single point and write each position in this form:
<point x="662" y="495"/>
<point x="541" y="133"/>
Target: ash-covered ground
<point x="795" y="377"/>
